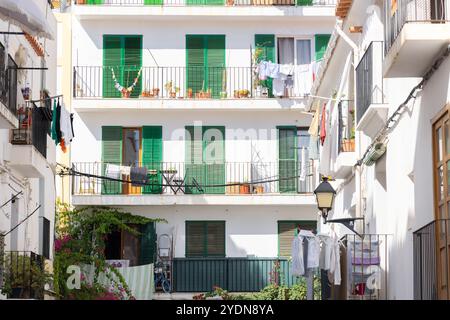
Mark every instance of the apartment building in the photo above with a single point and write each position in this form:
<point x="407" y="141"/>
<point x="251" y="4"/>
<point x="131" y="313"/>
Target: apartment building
<point x="27" y="153"/>
<point x="226" y="152"/>
<point x="386" y="151"/>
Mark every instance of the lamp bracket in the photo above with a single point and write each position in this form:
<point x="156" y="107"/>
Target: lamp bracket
<point x="348" y="222"/>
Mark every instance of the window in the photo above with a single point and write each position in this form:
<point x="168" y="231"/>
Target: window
<point x="287" y="158"/>
<point x="46" y="238"/>
<point x="205" y="238"/>
<point x="287" y="230"/>
<point x="8" y="82"/>
<point x="123" y="56"/>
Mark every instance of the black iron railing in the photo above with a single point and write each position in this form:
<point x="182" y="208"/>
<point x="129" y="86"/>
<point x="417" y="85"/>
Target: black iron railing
<point x="346" y="122"/>
<point x="8" y="82"/>
<point x="431" y="261"/>
<point x="208" y="2"/>
<point x="400" y="12"/>
<point x="33" y="129"/>
<point x="191" y="178"/>
<point x="22" y="274"/>
<point x="369" y="79"/>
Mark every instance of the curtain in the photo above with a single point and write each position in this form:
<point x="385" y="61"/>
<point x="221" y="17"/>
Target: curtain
<point x="303" y="74"/>
<point x="286" y="50"/>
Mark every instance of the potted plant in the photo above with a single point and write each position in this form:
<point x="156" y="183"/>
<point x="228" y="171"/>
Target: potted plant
<point x="244" y="188"/>
<point x="155" y="92"/>
<point x="171" y="89"/>
<point x="146" y="94"/>
<point x="244" y="93"/>
<point x="236" y="94"/>
<point x="233" y="188"/>
<point x="348" y="145"/>
<point x="190" y="93"/>
<point x="230" y="2"/>
<point x="258" y="189"/>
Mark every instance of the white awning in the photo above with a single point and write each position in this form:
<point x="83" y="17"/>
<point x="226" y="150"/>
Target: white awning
<point x="30" y="16"/>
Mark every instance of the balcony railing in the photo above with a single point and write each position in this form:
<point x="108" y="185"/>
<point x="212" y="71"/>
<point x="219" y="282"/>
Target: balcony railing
<point x="235" y="178"/>
<point x="369" y="79"/>
<point x="431" y="261"/>
<point x="182" y="82"/>
<point x="21" y="274"/>
<point x="208" y="2"/>
<point x="400" y="12"/>
<point x="8" y="82"/>
<point x="34" y="126"/>
<point x="346" y="122"/>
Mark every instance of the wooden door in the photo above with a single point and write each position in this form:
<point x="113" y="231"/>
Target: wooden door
<point x="441" y="168"/>
<point x="132" y="155"/>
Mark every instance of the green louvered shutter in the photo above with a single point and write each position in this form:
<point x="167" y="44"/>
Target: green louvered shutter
<point x="304" y="2"/>
<point x="148" y="243"/>
<point x="152" y="156"/>
<point x="153" y="2"/>
<point x="195" y="239"/>
<point x="287" y="230"/>
<point x="94" y="2"/>
<point x="321" y="43"/>
<point x="214" y="158"/>
<point x="215" y="56"/>
<point x="287" y="158"/>
<point x="205" y="2"/>
<point x="112" y="59"/>
<point x="195" y="63"/>
<point x="194" y="166"/>
<point x="266" y="43"/>
<point x="132" y="62"/>
<point x="111" y="153"/>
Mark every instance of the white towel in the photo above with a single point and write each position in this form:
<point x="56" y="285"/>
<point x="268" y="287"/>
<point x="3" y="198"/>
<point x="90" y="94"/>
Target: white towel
<point x="278" y="87"/>
<point x="112" y="171"/>
<point x="287" y="69"/>
<point x="65" y="125"/>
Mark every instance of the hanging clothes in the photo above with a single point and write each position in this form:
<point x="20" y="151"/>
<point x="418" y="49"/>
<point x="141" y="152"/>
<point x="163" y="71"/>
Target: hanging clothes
<point x="138" y="176"/>
<point x="303" y="165"/>
<point x="314" y="127"/>
<point x="323" y="123"/>
<point x="65" y="126"/>
<point x="335" y="262"/>
<point x="58" y="123"/>
<point x="54" y="135"/>
<point x="298" y="267"/>
<point x="263" y="72"/>
<point x="125" y="170"/>
<point x="278" y="87"/>
<point x="112" y="171"/>
<point x="273" y="70"/>
<point x="313" y="252"/>
<point x="71" y="125"/>
<point x="325" y="253"/>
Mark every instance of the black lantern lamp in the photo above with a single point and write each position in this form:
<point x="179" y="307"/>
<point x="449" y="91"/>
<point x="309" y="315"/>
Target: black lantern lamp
<point x="325" y="197"/>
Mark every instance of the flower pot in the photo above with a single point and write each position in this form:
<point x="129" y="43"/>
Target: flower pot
<point x="155" y="92"/>
<point x="348" y="145"/>
<point x="223" y="95"/>
<point x="190" y="94"/>
<point x="258" y="189"/>
<point x="173" y="95"/>
<point x="244" y="188"/>
<point x="230" y="2"/>
<point x="233" y="188"/>
<point x="126" y="94"/>
<point x="236" y="94"/>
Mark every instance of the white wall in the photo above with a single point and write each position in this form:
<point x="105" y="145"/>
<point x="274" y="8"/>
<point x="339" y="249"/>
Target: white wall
<point x="250" y="230"/>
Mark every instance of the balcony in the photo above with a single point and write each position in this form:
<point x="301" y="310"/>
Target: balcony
<point x="431" y="245"/>
<point x="8" y="92"/>
<point x="233" y="9"/>
<point x="414" y="28"/>
<point x="371" y="110"/>
<point x="346" y="140"/>
<point x="183" y="88"/>
<point x="186" y="183"/>
<point x="29" y="150"/>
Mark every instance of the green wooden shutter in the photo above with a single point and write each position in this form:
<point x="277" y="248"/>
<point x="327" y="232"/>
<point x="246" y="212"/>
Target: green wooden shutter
<point x="194" y="166"/>
<point x="321" y="43"/>
<point x="148" y="243"/>
<point x="152" y="156"/>
<point x="195" y="239"/>
<point x="195" y="63"/>
<point x="94" y="2"/>
<point x="214" y="158"/>
<point x="287" y="158"/>
<point x="205" y="2"/>
<point x="304" y="2"/>
<point x="287" y="230"/>
<point x="112" y="59"/>
<point x="132" y="62"/>
<point x="266" y="43"/>
<point x="215" y="56"/>
<point x="111" y="153"/>
<point x="215" y="238"/>
<point x="153" y="2"/>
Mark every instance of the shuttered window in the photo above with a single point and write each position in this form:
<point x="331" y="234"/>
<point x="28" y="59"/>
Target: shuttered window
<point x="287" y="159"/>
<point x="205" y="61"/>
<point x="153" y="2"/>
<point x="94" y="2"/>
<point x="287" y="230"/>
<point x="304" y="2"/>
<point x="205" y="2"/>
<point x="123" y="55"/>
<point x="321" y="43"/>
<point x="265" y="46"/>
<point x="147" y="243"/>
<point x="205" y="159"/>
<point x="46" y="238"/>
<point x="111" y="153"/>
<point x="152" y="156"/>
<point x="205" y="238"/>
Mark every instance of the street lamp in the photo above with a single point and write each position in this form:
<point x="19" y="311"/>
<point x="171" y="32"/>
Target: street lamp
<point x="325" y="197"/>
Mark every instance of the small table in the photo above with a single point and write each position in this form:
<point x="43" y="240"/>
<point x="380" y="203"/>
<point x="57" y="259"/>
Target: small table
<point x="168" y="176"/>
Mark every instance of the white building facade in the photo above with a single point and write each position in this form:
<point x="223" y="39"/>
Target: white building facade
<point x="390" y="47"/>
<point x="27" y="153"/>
<point x="227" y="153"/>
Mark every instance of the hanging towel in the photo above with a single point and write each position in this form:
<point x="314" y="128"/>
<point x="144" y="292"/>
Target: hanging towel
<point x="303" y="165"/>
<point x="263" y="70"/>
<point x="302" y="80"/>
<point x="287" y="69"/>
<point x="298" y="267"/>
<point x="273" y="70"/>
<point x="138" y="176"/>
<point x="325" y="252"/>
<point x="112" y="171"/>
<point x="313" y="252"/>
<point x="314" y="127"/>
<point x="65" y="126"/>
<point x="323" y="123"/>
<point x="125" y="170"/>
<point x="278" y="87"/>
<point x="335" y="263"/>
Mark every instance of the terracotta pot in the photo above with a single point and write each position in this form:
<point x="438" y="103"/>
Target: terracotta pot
<point x="348" y="145"/>
<point x="81" y="1"/>
<point x="126" y="94"/>
<point x="190" y="94"/>
<point x="258" y="189"/>
<point x="155" y="92"/>
<point x="244" y="188"/>
<point x="236" y="93"/>
<point x="233" y="189"/>
<point x="230" y="2"/>
<point x="173" y="95"/>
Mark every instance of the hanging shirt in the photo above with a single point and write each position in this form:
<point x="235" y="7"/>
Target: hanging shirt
<point x="335" y="263"/>
<point x="287" y="69"/>
<point x="263" y="72"/>
<point x="325" y="253"/>
<point x="112" y="171"/>
<point x="58" y="123"/>
<point x="313" y="252"/>
<point x="298" y="267"/>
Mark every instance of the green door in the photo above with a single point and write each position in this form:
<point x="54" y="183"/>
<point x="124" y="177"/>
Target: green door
<point x="287" y="158"/>
<point x="205" y="61"/>
<point x="214" y="158"/>
<point x="123" y="55"/>
<point x="194" y="168"/>
<point x="152" y="157"/>
<point x="265" y="47"/>
<point x="112" y="154"/>
<point x="321" y="43"/>
<point x="148" y="243"/>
